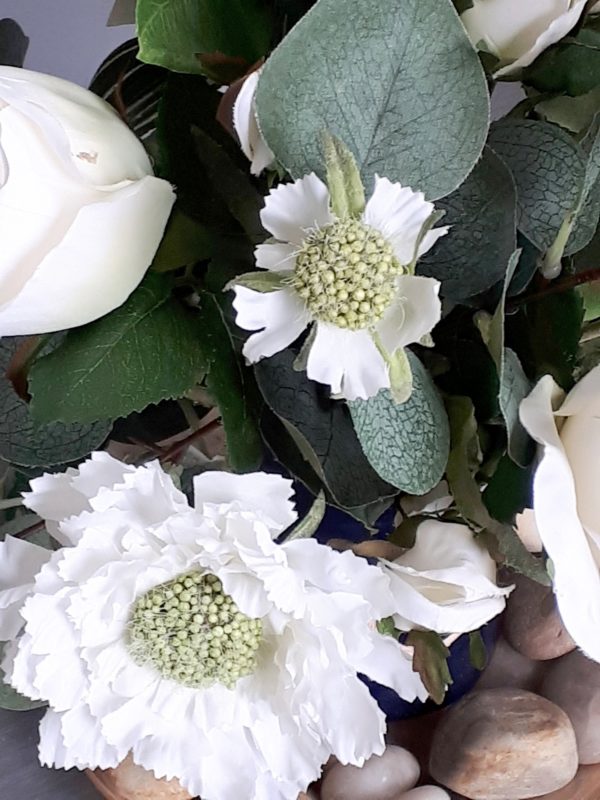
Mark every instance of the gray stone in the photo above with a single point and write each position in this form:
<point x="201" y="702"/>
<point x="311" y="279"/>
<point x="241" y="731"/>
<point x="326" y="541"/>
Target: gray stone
<point x="426" y="793"/>
<point x="532" y="624"/>
<point x="384" y="777"/>
<point x="510" y="669"/>
<point x="573" y="683"/>
<point x="503" y="744"/>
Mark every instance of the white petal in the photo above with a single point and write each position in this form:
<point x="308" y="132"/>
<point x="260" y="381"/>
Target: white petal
<point x="268" y="493"/>
<point x="580" y="437"/>
<point x="348" y="362"/>
<point x="399" y="213"/>
<point x="75" y="283"/>
<point x="276" y="256"/>
<point x="245" y="123"/>
<point x="390" y="664"/>
<point x="280" y="317"/>
<point x="414" y="313"/>
<point x="20" y="562"/>
<point x="576" y="579"/>
<point x="293" y="209"/>
<point x="584" y="397"/>
<point x="103" y="149"/>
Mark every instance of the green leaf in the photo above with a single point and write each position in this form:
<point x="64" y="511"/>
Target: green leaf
<point x="177" y="34"/>
<point x="508" y="491"/>
<point x="477" y="651"/>
<point x="572" y="66"/>
<point x="322" y="430"/>
<point x="10" y="699"/>
<point x="398" y="82"/>
<point x="407" y="444"/>
<point x="430" y="660"/>
<point x="482" y="218"/>
<point x="309" y="524"/>
<point x="462" y="463"/>
<point x="261" y="281"/>
<point x="148" y="350"/>
<point x="514" y="385"/>
<point x="25" y="445"/>
<point x="549" y="171"/>
<point x="13" y="43"/>
<point x="231" y="385"/>
<point x="185" y="242"/>
<point x="343" y="179"/>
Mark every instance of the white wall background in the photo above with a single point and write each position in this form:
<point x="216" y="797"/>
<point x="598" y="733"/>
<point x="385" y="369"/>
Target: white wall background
<point x="68" y="38"/>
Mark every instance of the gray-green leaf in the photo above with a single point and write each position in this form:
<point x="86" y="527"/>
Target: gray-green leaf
<point x="407" y="444"/>
<point x="398" y="82"/>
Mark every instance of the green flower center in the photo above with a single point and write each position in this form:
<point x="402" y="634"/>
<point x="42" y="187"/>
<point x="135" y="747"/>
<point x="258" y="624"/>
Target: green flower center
<point x="346" y="273"/>
<point x="193" y="633"/>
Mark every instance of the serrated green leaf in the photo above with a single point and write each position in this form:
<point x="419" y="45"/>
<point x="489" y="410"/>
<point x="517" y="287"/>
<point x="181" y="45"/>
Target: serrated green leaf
<point x="482" y="218"/>
<point x="311" y="521"/>
<point x="148" y="350"/>
<point x="24" y="444"/>
<point x="549" y="170"/>
<point x="322" y="430"/>
<point x="343" y="179"/>
<point x="407" y="444"/>
<point x="462" y="463"/>
<point x="477" y="651"/>
<point x="398" y="82"/>
<point x="12" y="700"/>
<point x="430" y="660"/>
<point x="176" y="34"/>
<point x="230" y="383"/>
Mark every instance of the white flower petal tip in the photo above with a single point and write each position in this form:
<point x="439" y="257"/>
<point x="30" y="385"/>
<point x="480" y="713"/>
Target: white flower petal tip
<point x="517" y="33"/>
<point x="75" y="183"/>
<point x="565" y="499"/>
<point x="327" y="264"/>
<point x="141" y="559"/>
<point x="446" y="582"/>
<point x="245" y="123"/>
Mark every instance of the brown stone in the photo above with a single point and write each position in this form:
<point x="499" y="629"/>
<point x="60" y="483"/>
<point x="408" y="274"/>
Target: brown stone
<point x="503" y="744"/>
<point x="573" y="683"/>
<point x="508" y="668"/>
<point x="128" y="781"/>
<point x="584" y="786"/>
<point x="532" y="624"/>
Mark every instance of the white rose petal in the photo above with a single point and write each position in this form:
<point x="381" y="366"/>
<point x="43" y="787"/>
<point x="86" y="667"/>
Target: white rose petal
<point x="565" y="499"/>
<point x="81" y="215"/>
<point x="518" y="32"/>
<point x="245" y="123"/>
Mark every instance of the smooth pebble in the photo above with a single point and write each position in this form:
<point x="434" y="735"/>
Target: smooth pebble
<point x="383" y="777"/>
<point x="426" y="793"/>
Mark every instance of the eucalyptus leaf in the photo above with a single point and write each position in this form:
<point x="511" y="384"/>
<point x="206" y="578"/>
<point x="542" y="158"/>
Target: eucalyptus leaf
<point x="322" y="430"/>
<point x="406" y="444"/>
<point x="398" y="82"/>
<point x="549" y="170"/>
<point x="148" y="350"/>
<point x="481" y="214"/>
<point x="181" y="34"/>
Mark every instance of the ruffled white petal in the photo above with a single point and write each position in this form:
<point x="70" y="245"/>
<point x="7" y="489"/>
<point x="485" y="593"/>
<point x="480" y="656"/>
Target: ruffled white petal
<point x="391" y="664"/>
<point x="576" y="578"/>
<point x="347" y="361"/>
<point x="399" y="213"/>
<point x="20" y="562"/>
<point x="446" y="582"/>
<point x="413" y="314"/>
<point x="280" y="317"/>
<point x="245" y="123"/>
<point x="584" y="397"/>
<point x="293" y="209"/>
<point x="276" y="256"/>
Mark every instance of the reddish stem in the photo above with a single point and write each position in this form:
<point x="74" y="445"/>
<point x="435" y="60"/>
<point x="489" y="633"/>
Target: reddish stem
<point x="556" y="287"/>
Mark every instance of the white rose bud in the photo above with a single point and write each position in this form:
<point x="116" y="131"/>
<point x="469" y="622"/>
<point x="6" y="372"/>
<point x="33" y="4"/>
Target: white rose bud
<point x="81" y="214"/>
<point x="245" y="123"/>
<point x="566" y="498"/>
<point x="517" y="31"/>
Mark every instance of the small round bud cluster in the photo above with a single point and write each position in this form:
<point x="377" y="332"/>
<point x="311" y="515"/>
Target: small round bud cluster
<point x="193" y="633"/>
<point x="346" y="273"/>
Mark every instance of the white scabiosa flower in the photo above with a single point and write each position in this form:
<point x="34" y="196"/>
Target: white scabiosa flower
<point x="446" y="583"/>
<point x="245" y="123"/>
<point x="517" y="32"/>
<point x="349" y="276"/>
<point x="187" y="638"/>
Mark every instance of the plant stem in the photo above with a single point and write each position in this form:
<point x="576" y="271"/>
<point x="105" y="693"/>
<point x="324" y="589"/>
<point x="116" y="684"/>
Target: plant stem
<point x="556" y="287"/>
<point x="11" y="502"/>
